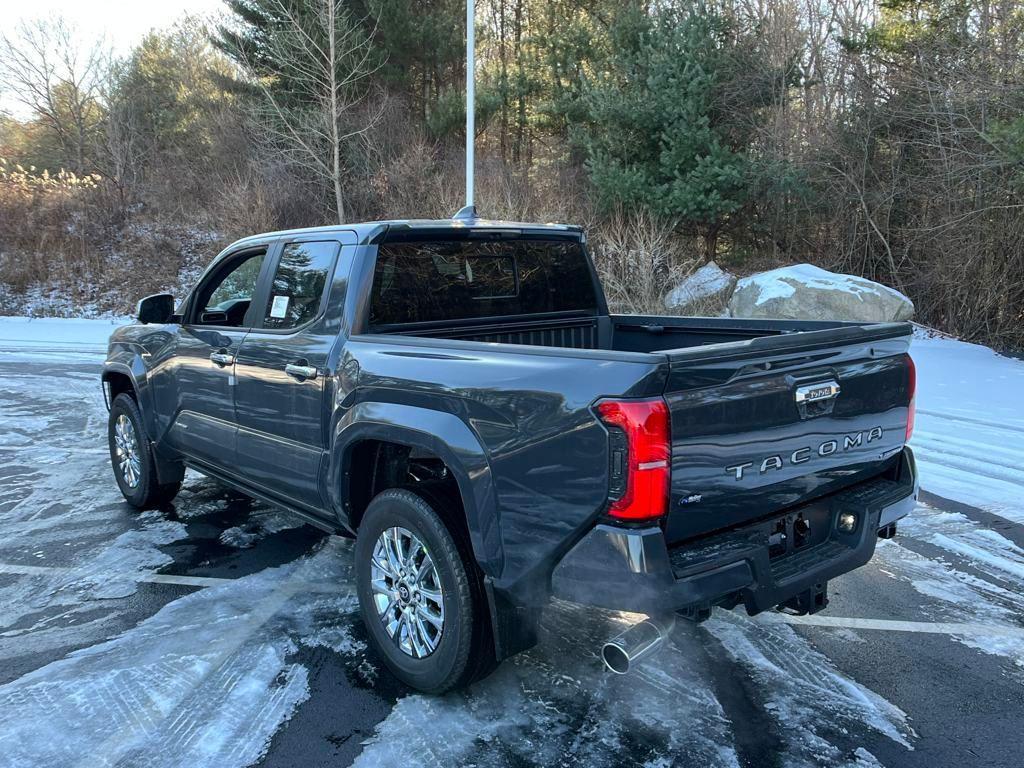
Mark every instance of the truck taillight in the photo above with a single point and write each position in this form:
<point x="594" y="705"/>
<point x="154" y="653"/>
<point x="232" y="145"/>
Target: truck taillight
<point x="638" y="440"/>
<point x="912" y="385"/>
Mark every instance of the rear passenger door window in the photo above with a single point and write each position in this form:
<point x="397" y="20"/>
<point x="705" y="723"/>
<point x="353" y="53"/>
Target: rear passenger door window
<point x="299" y="284"/>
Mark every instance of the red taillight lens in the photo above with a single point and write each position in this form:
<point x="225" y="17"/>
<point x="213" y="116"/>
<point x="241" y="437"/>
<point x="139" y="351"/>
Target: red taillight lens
<point x="639" y="441"/>
<point x="912" y="384"/>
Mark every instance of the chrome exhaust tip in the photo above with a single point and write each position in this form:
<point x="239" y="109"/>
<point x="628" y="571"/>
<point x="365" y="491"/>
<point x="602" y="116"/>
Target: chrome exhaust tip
<point x="638" y="642"/>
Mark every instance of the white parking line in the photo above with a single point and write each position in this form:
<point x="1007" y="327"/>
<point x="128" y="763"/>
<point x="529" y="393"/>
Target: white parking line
<point x="893" y="625"/>
<point x="148" y="578"/>
<point x="837" y="622"/>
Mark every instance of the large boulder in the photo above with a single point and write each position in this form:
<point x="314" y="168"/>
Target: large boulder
<point x="807" y="292"/>
<point x="706" y="289"/>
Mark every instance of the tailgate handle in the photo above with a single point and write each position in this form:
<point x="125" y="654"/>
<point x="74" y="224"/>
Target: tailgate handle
<point x="813" y="393"/>
<point x="816" y="399"/>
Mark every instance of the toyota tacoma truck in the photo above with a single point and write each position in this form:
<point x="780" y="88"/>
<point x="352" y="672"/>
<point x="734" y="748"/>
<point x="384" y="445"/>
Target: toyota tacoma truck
<point x="457" y="397"/>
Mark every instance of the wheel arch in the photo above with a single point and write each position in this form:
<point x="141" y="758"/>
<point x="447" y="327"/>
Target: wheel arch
<point x="119" y="379"/>
<point x="127" y="371"/>
<point x="441" y="435"/>
<point x="129" y="376"/>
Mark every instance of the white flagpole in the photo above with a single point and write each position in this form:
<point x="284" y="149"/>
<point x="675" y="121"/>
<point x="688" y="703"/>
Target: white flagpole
<point x="470" y="96"/>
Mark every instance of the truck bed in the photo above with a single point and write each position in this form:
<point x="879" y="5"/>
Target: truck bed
<point x="624" y="333"/>
<point x="730" y="388"/>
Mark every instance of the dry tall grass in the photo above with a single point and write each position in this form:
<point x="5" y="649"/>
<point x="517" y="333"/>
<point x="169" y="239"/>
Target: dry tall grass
<point x="68" y="248"/>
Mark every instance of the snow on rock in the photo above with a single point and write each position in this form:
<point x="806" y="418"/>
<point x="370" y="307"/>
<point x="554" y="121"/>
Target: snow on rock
<point x="708" y="284"/>
<point x="807" y="292"/>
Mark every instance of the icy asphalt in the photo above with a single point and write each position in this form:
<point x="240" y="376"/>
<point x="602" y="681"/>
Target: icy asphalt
<point x="217" y="632"/>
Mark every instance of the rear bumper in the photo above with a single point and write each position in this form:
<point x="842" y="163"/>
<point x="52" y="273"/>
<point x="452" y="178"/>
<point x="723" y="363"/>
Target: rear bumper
<point x="762" y="564"/>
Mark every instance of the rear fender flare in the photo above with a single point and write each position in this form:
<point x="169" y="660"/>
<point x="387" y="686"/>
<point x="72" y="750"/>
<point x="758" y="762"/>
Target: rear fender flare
<point x="442" y="434"/>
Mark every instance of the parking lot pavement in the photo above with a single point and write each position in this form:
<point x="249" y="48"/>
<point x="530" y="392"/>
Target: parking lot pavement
<point x="218" y="631"/>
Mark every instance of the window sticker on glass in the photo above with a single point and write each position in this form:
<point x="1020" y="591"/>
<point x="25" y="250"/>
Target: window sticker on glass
<point x="280" y="307"/>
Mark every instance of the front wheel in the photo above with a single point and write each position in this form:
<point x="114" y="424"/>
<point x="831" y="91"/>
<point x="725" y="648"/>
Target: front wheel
<point x="420" y="596"/>
<point x="132" y="457"/>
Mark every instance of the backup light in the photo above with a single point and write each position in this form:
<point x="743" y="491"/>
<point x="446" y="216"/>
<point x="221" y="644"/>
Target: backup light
<point x="847" y="522"/>
<point x="638" y="441"/>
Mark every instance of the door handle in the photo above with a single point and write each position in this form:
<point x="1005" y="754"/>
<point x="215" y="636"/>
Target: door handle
<point x="300" y="371"/>
<point x="222" y="358"/>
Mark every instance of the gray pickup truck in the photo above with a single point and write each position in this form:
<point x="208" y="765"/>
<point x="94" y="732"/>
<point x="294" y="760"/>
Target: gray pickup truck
<point x="456" y="396"/>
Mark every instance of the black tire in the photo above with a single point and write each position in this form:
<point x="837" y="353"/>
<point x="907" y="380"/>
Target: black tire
<point x="147" y="492"/>
<point x="464" y="651"/>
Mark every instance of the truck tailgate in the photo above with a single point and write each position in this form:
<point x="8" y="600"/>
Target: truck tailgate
<point x="766" y="424"/>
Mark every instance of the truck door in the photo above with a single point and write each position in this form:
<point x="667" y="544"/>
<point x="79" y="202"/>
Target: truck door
<point x="282" y="370"/>
<point x="193" y="388"/>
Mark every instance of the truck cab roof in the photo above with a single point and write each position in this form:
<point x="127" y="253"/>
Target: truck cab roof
<point x="370" y="231"/>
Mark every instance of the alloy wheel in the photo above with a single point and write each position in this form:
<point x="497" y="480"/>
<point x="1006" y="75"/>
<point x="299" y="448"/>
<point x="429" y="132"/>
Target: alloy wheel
<point x="126" y="447"/>
<point x="407" y="592"/>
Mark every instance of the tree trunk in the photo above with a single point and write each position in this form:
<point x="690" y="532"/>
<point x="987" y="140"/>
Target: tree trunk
<point x="520" y="83"/>
<point x="503" y="79"/>
<point x="332" y="32"/>
<point x="710" y="243"/>
<point x="339" y="200"/>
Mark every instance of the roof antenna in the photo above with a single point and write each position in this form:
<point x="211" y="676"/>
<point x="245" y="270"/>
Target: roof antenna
<point x="468" y="211"/>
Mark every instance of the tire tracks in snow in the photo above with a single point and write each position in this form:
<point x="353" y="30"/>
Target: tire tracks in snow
<point x="207" y="680"/>
<point x="969" y="573"/>
<point x="556" y="706"/>
<point x="819" y="714"/>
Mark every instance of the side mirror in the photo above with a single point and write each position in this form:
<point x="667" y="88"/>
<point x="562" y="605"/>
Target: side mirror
<point x="157" y="308"/>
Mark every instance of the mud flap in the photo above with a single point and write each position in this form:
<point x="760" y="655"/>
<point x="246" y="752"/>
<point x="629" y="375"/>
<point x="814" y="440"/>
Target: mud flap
<point x="167" y="470"/>
<point x="514" y="627"/>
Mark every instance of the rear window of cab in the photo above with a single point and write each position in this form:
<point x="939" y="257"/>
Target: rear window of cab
<point x="438" y="280"/>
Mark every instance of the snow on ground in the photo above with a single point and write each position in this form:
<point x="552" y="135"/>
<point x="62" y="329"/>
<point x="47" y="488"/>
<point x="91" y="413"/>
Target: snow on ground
<point x="41" y="338"/>
<point x="555" y="704"/>
<point x="959" y="597"/>
<point x="814" y="702"/>
<point x="56" y="494"/>
<point x="205" y="681"/>
<point x="969" y="436"/>
<point x="213" y="675"/>
<point x="951" y="579"/>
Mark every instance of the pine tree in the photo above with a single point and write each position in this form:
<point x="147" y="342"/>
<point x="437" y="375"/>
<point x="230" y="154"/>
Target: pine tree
<point x="670" y="119"/>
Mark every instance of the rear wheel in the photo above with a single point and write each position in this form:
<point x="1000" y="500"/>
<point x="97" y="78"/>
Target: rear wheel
<point x="419" y="594"/>
<point x="132" y="457"/>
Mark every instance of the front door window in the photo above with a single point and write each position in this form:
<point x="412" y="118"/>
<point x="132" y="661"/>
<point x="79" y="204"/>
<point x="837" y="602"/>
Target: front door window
<point x="224" y="299"/>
